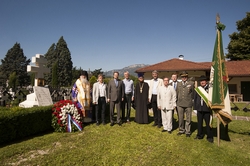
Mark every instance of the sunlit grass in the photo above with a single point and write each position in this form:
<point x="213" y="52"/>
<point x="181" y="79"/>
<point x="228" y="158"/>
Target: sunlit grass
<point x="130" y="144"/>
<point x="239" y="109"/>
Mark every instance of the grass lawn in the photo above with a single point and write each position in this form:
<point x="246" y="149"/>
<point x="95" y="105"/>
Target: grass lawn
<point x="241" y="106"/>
<point x="130" y="144"/>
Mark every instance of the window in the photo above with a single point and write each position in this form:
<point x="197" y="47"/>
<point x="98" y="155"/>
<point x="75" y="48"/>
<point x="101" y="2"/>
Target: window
<point x="232" y="88"/>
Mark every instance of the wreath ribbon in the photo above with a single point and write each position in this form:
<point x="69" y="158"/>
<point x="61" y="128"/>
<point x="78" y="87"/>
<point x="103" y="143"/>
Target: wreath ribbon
<point x="71" y="119"/>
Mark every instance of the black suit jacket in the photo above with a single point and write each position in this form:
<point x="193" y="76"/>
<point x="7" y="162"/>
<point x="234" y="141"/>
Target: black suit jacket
<point x="197" y="103"/>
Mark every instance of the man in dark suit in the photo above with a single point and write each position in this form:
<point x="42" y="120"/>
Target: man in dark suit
<point x="115" y="97"/>
<point x="202" y="108"/>
<point x="174" y="84"/>
<point x="185" y="91"/>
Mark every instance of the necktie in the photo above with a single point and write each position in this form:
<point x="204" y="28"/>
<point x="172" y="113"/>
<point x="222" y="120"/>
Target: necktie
<point x="116" y="83"/>
<point x="174" y="85"/>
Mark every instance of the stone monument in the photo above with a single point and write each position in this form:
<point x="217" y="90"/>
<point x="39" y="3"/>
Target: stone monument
<point x="39" y="69"/>
<point x="41" y="95"/>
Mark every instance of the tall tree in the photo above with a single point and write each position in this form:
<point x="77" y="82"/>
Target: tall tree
<point x="15" y="61"/>
<point x="13" y="81"/>
<point x="60" y="54"/>
<point x="65" y="64"/>
<point x="239" y="45"/>
<point x="51" y="59"/>
<point x="32" y="78"/>
<point x="54" y="75"/>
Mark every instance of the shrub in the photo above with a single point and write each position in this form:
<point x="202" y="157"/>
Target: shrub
<point x="17" y="123"/>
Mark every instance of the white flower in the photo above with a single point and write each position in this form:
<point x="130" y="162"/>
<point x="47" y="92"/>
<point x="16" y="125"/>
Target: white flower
<point x="69" y="109"/>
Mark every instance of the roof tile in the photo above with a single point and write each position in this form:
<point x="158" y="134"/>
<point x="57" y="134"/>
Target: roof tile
<point x="234" y="68"/>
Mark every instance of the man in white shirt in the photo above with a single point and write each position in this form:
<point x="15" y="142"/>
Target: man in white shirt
<point x="100" y="99"/>
<point x="154" y="84"/>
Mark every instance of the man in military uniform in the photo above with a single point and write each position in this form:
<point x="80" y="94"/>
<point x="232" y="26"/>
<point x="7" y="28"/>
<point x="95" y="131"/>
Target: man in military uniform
<point x="184" y="91"/>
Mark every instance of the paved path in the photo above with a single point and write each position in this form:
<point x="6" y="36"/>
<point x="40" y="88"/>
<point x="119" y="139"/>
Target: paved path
<point x="246" y="118"/>
<point x="241" y="118"/>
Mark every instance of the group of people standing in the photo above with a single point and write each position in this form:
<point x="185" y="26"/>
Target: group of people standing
<point x="160" y="95"/>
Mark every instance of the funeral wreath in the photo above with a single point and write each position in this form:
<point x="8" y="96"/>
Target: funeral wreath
<point x="66" y="116"/>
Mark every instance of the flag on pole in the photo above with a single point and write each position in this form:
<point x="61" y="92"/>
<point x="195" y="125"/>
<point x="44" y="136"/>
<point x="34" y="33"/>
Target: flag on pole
<point x="218" y="92"/>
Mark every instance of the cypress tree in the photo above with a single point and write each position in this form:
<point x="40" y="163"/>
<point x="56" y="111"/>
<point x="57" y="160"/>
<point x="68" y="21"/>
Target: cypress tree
<point x="54" y="75"/>
<point x="51" y="59"/>
<point x="65" y="64"/>
<point x="15" y="61"/>
<point x="60" y="54"/>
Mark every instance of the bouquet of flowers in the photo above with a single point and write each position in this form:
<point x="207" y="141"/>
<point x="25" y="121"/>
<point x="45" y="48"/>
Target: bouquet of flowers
<point x="66" y="116"/>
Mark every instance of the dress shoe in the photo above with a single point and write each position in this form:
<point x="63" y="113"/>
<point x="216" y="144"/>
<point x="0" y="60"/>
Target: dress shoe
<point x="120" y="123"/>
<point x="180" y="133"/>
<point x="97" y="123"/>
<point x="210" y="140"/>
<point x="169" y="132"/>
<point x="159" y="126"/>
<point x="154" y="124"/>
<point x="187" y="135"/>
<point x="112" y="124"/>
<point x="164" y="130"/>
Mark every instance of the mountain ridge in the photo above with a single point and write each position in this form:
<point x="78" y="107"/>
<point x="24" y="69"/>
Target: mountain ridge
<point x="131" y="69"/>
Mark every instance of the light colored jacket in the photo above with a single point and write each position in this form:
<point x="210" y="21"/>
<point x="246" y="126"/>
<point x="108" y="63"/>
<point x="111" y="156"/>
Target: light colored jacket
<point x="96" y="93"/>
<point x="151" y="86"/>
<point x="166" y="97"/>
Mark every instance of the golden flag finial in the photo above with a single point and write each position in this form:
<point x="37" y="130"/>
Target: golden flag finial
<point x="217" y="18"/>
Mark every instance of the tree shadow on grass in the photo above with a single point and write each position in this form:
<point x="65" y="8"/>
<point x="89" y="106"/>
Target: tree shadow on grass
<point x="194" y="127"/>
<point x="19" y="140"/>
<point x="150" y="119"/>
<point x="223" y="132"/>
<point x="243" y="133"/>
<point x="175" y="123"/>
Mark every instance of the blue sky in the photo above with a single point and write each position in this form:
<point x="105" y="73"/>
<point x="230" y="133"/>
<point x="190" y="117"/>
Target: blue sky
<point x="112" y="34"/>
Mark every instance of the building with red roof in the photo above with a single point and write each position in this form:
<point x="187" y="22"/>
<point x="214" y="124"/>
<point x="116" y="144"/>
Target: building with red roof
<point x="238" y="73"/>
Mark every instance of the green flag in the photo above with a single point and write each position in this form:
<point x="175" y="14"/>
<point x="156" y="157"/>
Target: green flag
<point x="218" y="92"/>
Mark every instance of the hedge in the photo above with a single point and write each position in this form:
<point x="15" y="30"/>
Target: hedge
<point x="17" y="122"/>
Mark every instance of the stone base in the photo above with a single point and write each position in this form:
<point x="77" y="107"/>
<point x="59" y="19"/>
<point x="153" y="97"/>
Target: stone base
<point x="29" y="102"/>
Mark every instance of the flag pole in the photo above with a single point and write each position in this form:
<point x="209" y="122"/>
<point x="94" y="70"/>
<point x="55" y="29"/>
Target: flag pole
<point x="218" y="91"/>
<point x="218" y="130"/>
<point x="218" y="120"/>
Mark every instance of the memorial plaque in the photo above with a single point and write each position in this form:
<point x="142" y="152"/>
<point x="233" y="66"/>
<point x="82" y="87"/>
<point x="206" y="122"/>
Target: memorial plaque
<point x="43" y="96"/>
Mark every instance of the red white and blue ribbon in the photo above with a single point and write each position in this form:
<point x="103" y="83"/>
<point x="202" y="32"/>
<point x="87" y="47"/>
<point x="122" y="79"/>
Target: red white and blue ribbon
<point x="71" y="119"/>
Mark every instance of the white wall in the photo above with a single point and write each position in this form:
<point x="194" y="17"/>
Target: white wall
<point x="237" y="81"/>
